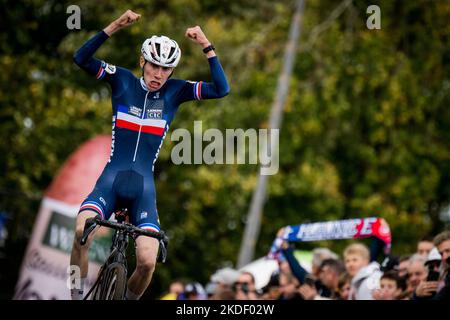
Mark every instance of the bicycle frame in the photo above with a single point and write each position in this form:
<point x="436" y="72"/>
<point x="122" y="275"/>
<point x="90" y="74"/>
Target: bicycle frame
<point x="117" y="256"/>
<point x="119" y="245"/>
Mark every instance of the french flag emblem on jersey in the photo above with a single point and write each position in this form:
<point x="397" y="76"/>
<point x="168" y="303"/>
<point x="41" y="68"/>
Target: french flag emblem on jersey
<point x="131" y="122"/>
<point x="198" y="90"/>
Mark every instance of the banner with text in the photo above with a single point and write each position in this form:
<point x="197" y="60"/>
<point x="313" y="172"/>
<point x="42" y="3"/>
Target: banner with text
<point x="333" y="230"/>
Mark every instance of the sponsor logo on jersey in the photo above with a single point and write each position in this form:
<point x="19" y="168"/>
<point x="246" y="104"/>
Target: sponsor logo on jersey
<point x="136" y="111"/>
<point x="111" y="69"/>
<point x="154" y="114"/>
<point x="113" y="140"/>
<point x="154" y="109"/>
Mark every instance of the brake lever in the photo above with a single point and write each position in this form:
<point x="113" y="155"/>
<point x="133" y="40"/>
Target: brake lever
<point x="162" y="252"/>
<point x="89" y="226"/>
<point x="163" y="244"/>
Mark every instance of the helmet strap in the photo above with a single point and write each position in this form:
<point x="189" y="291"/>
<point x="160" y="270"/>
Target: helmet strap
<point x="143" y="67"/>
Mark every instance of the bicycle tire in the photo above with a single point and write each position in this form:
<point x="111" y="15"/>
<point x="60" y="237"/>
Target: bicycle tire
<point x="114" y="283"/>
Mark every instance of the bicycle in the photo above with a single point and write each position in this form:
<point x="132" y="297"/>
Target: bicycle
<point x="111" y="283"/>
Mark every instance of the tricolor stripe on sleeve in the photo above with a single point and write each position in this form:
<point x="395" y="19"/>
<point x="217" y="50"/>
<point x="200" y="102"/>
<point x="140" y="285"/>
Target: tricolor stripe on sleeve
<point x="198" y="90"/>
<point x="93" y="206"/>
<point x="101" y="73"/>
<point x="149" y="227"/>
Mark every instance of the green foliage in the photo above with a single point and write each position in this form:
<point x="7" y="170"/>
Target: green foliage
<point x="365" y="132"/>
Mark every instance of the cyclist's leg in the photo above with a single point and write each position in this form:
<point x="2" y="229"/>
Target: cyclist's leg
<point x="146" y="254"/>
<point x="144" y="215"/>
<point x="79" y="255"/>
<point x="99" y="202"/>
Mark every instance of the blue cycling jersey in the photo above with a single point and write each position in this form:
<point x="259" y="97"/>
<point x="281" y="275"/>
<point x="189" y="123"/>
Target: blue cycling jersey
<point x="140" y="122"/>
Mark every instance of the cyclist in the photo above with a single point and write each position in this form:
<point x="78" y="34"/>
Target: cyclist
<point x="143" y="109"/>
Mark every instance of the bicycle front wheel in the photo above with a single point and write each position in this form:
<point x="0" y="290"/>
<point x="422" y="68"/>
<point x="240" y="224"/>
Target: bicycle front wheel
<point x="114" y="283"/>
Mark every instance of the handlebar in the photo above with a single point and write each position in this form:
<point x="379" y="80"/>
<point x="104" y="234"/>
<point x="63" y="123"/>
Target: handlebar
<point x="91" y="223"/>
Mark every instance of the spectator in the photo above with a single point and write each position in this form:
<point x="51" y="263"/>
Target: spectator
<point x="300" y="273"/>
<point x="403" y="263"/>
<point x="390" y="287"/>
<point x="344" y="286"/>
<point x="330" y="271"/>
<point x="222" y="280"/>
<point x="424" y="246"/>
<point x="291" y="265"/>
<point x="245" y="288"/>
<point x="319" y="255"/>
<point x="433" y="264"/>
<point x="428" y="288"/>
<point x="442" y="243"/>
<point x="288" y="285"/>
<point x="272" y="290"/>
<point x="365" y="276"/>
<point x="417" y="272"/>
<point x="193" y="291"/>
<point x="309" y="292"/>
<point x="175" y="289"/>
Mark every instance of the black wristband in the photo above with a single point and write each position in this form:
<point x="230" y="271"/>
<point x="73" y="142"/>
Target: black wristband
<point x="208" y="48"/>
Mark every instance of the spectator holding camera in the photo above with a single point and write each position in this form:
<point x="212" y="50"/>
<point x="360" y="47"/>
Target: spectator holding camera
<point x="429" y="287"/>
<point x="245" y="287"/>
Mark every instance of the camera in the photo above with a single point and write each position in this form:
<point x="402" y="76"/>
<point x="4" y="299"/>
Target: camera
<point x="244" y="287"/>
<point x="433" y="273"/>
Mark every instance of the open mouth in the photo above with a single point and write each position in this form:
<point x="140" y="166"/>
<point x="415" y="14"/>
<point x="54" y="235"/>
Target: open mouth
<point x="154" y="84"/>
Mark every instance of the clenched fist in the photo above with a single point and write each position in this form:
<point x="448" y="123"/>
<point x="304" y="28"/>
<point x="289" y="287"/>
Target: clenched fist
<point x="127" y="18"/>
<point x="196" y="34"/>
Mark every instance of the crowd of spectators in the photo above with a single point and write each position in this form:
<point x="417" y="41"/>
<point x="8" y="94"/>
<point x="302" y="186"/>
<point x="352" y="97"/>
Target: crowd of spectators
<point x="356" y="275"/>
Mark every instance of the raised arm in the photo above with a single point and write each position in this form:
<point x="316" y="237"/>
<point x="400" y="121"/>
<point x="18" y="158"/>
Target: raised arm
<point x="297" y="270"/>
<point x="219" y="87"/>
<point x="126" y="19"/>
<point x="84" y="55"/>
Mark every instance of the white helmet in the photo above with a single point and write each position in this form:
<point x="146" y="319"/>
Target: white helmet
<point x="162" y="51"/>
